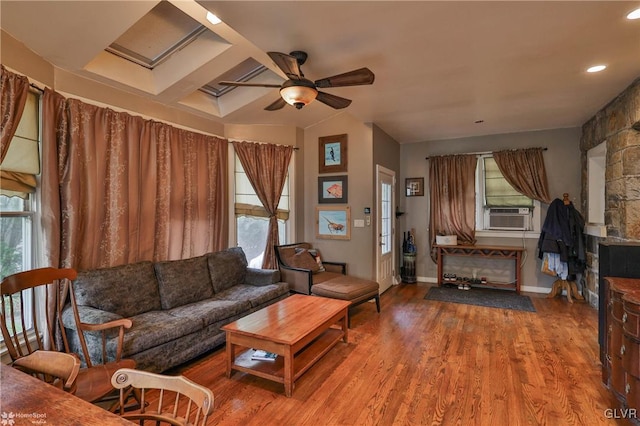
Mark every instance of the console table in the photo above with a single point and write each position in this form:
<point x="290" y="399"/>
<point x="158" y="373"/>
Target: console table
<point x="496" y="252"/>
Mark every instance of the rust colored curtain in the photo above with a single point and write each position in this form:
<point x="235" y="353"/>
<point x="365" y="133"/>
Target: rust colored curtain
<point x="120" y="189"/>
<point x="266" y="168"/>
<point x="524" y="170"/>
<point x="452" y="198"/>
<point x="13" y="89"/>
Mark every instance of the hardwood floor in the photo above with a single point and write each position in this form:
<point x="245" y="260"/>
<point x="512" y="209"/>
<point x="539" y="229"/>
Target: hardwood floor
<point x="423" y="362"/>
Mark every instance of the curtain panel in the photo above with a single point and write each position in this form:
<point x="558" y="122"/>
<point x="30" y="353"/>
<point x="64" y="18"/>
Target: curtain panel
<point x="524" y="170"/>
<point x="120" y="189"/>
<point x="452" y="198"/>
<point x="266" y="167"/>
<point x="13" y="89"/>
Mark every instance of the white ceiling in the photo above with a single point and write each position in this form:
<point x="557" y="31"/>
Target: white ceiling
<point x="439" y="66"/>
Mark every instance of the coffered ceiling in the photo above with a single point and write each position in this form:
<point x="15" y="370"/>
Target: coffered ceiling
<point x="443" y="69"/>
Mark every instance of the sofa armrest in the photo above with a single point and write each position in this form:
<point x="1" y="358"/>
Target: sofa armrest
<point x="261" y="277"/>
<point x="300" y="280"/>
<point x="88" y="315"/>
<point x="338" y="267"/>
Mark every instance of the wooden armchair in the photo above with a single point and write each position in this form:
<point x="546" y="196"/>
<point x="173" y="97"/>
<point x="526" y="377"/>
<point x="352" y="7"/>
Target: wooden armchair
<point x="31" y="321"/>
<point x="181" y="402"/>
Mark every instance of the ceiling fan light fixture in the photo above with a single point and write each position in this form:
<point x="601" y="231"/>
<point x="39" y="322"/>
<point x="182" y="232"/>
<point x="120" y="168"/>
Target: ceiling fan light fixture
<point x="298" y="94"/>
<point x="634" y="14"/>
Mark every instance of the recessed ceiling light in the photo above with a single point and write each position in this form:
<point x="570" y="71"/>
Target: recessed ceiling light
<point x="596" y="68"/>
<point x="213" y="18"/>
<point x="634" y="15"/>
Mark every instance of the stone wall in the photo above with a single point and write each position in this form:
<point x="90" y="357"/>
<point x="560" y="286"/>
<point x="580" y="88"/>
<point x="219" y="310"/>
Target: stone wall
<point x="618" y="125"/>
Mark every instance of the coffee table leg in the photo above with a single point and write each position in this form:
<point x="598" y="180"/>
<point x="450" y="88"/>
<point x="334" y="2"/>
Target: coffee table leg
<point x="288" y="371"/>
<point x="345" y="326"/>
<point x="230" y="355"/>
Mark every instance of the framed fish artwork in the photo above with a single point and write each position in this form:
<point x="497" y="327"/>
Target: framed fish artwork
<point x="332" y="154"/>
<point x="333" y="189"/>
<point x="333" y="222"/>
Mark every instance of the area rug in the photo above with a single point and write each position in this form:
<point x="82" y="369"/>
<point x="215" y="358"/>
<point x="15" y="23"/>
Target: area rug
<point x="491" y="298"/>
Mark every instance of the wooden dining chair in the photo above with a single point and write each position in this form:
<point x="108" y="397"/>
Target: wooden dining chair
<point x="31" y="321"/>
<point x="56" y="368"/>
<point x="180" y="402"/>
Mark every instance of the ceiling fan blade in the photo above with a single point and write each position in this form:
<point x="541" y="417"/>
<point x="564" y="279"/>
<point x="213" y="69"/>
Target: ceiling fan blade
<point x="287" y="63"/>
<point x="243" y="84"/>
<point x="352" y="78"/>
<point x="333" y="101"/>
<point x="278" y="104"/>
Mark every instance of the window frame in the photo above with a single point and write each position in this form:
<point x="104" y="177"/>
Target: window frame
<point x="481" y="230"/>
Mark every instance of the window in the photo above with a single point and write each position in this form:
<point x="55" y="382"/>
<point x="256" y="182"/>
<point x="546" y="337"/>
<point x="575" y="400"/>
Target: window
<point x="252" y="219"/>
<point x="499" y="207"/>
<point x="17" y="196"/>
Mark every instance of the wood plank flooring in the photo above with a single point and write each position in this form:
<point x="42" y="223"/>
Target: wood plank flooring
<point x="423" y="362"/>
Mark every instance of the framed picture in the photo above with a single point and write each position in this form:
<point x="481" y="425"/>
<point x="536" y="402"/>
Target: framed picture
<point x="332" y="189"/>
<point x="414" y="187"/>
<point x="332" y="154"/>
<point x="333" y="222"/>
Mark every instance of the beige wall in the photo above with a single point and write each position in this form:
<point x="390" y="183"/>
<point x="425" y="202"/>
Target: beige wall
<point x="562" y="161"/>
<point x="357" y="251"/>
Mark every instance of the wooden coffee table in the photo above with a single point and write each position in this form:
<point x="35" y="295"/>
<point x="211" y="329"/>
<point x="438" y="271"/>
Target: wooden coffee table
<point x="300" y="329"/>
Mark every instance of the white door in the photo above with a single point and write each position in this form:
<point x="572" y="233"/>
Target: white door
<point x="385" y="227"/>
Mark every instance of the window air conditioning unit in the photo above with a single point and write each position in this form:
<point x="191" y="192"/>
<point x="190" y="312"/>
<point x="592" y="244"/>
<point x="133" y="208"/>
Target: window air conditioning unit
<point x="508" y="218"/>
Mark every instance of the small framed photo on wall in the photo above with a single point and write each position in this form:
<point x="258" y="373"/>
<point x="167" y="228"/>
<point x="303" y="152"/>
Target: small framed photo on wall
<point x="333" y="189"/>
<point x="414" y="187"/>
<point x="332" y="154"/>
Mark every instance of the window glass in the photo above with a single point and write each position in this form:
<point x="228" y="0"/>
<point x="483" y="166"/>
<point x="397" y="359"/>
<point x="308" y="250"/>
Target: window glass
<point x="498" y="192"/>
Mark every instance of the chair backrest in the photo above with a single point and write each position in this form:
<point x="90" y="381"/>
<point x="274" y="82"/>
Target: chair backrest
<point x="102" y="333"/>
<point x="56" y="368"/>
<point x="30" y="308"/>
<point x="180" y="402"/>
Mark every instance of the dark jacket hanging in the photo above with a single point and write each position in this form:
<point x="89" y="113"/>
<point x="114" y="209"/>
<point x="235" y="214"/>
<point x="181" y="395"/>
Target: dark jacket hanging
<point x="562" y="233"/>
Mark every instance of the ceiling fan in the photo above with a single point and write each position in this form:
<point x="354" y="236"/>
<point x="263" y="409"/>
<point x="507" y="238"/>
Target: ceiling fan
<point x="299" y="91"/>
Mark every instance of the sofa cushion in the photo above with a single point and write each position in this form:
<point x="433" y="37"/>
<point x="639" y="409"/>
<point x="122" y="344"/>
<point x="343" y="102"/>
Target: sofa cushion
<point x="210" y="311"/>
<point x="183" y="281"/>
<point x="155" y="328"/>
<point x="326" y="276"/>
<point x="253" y="294"/>
<point x="125" y="290"/>
<point x="227" y="268"/>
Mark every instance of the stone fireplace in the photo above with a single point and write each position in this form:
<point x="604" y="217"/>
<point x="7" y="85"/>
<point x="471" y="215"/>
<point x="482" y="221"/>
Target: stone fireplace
<point x="617" y="125"/>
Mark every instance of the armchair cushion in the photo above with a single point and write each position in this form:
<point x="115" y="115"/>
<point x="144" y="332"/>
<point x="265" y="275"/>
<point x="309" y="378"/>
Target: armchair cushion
<point x="318" y="258"/>
<point x="299" y="257"/>
<point x="183" y="281"/>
